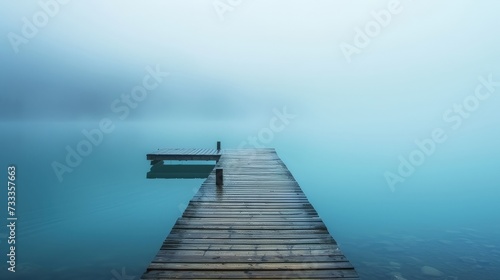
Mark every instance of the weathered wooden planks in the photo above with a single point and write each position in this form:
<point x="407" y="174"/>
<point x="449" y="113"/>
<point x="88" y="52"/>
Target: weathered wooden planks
<point x="184" y="154"/>
<point x="259" y="225"/>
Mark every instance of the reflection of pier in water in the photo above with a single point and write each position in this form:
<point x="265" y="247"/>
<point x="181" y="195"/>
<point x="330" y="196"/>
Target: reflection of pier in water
<point x="249" y="219"/>
<point x="180" y="171"/>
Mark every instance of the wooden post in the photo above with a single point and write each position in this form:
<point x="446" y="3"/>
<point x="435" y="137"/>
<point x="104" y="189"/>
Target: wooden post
<point x="219" y="177"/>
<point x="218" y="145"/>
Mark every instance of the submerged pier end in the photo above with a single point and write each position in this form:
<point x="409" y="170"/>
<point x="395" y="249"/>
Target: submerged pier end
<point x="254" y="222"/>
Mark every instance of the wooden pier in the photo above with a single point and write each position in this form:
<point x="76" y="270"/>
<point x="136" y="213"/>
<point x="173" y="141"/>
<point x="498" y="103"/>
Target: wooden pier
<point x="258" y="224"/>
<point x="184" y="154"/>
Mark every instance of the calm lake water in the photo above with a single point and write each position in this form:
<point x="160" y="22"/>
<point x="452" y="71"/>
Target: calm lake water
<point x="105" y="220"/>
<point x="416" y="99"/>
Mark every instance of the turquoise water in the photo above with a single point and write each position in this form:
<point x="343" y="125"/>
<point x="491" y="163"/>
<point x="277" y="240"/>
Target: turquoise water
<point x="395" y="145"/>
<point x="105" y="216"/>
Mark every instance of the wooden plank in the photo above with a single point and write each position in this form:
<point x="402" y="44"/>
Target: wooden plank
<point x="251" y="241"/>
<point x="253" y="227"/>
<point x="346" y="274"/>
<point x="252" y="211"/>
<point x="160" y="258"/>
<point x="249" y="266"/>
<point x="236" y="232"/>
<point x="241" y="216"/>
<point x="249" y="252"/>
<point x="250" y="248"/>
<point x="259" y="225"/>
<point x="252" y="220"/>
